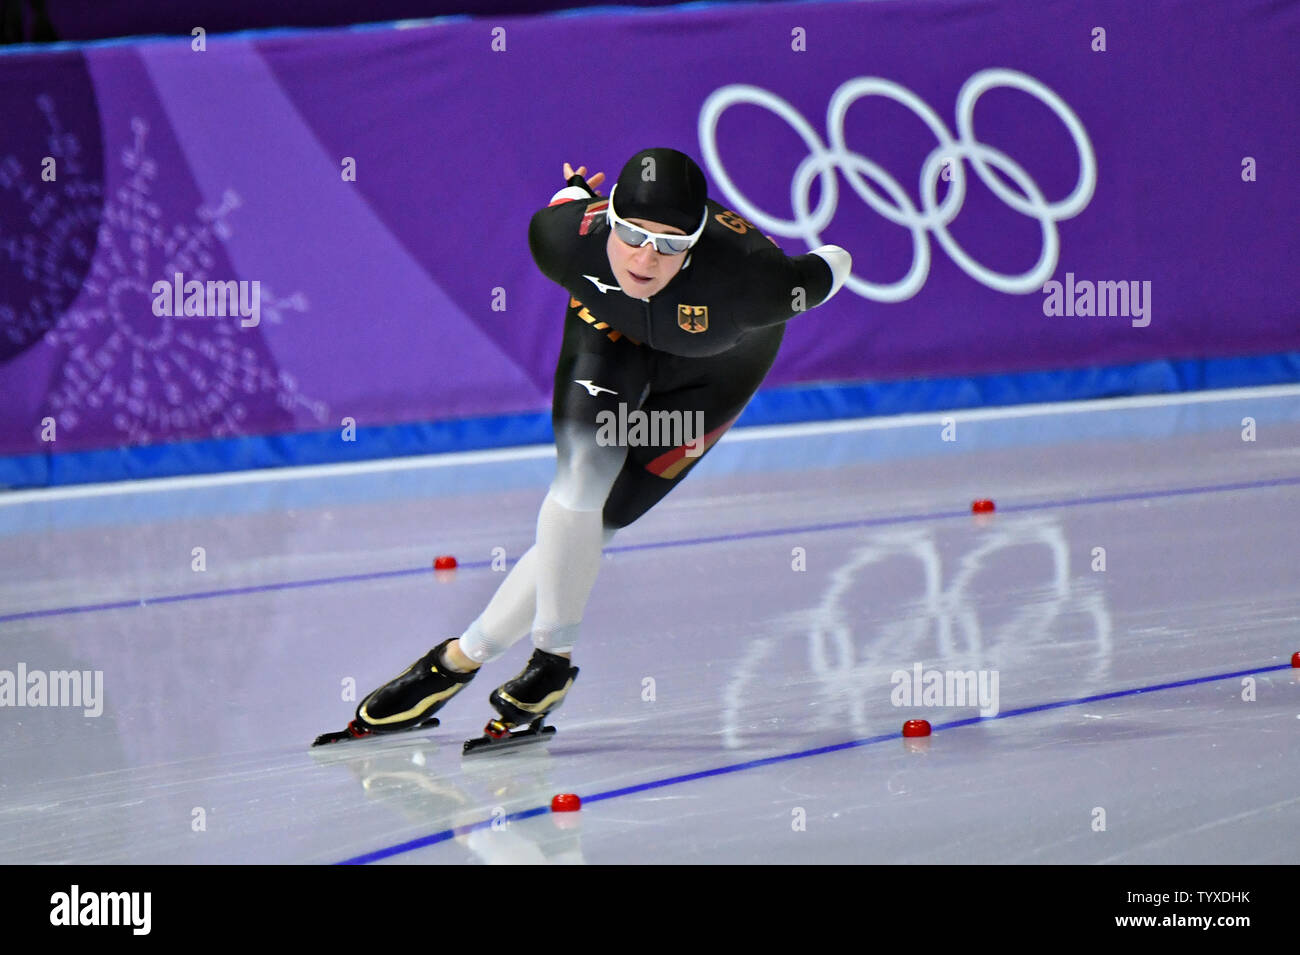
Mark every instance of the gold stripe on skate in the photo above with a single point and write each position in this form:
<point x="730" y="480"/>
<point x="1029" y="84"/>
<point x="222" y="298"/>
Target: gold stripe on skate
<point x="418" y="710"/>
<point x="547" y="702"/>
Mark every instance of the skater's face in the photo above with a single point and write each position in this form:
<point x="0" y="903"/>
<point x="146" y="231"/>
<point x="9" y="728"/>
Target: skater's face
<point x="643" y="272"/>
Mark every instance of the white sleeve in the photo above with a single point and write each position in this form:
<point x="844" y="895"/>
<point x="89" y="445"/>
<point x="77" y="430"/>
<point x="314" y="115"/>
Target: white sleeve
<point x="569" y="193"/>
<point x="841" y="264"/>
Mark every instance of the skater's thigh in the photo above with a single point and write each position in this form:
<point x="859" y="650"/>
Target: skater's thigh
<point x="690" y="405"/>
<point x="596" y="373"/>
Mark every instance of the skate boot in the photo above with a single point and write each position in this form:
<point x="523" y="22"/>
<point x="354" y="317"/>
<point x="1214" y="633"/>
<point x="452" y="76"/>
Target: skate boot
<point x="527" y="699"/>
<point x="406" y="702"/>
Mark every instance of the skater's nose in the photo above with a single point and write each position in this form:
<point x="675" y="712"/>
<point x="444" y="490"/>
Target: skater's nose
<point x="645" y="257"/>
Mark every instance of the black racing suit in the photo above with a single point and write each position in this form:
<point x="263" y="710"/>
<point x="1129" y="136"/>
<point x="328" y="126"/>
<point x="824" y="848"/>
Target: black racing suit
<point x="703" y="343"/>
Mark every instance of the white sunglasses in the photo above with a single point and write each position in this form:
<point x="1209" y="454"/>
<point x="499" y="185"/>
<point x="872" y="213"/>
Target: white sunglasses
<point x="664" y="243"/>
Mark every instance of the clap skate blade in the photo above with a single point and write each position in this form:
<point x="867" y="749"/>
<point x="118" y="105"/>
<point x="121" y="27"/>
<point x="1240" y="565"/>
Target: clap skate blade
<point x="498" y="736"/>
<point x="356" y="731"/>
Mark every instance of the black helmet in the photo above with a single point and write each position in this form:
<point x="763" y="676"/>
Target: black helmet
<point x="662" y="185"/>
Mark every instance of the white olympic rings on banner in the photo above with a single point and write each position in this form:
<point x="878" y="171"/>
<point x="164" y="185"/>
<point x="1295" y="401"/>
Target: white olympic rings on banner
<point x="823" y="161"/>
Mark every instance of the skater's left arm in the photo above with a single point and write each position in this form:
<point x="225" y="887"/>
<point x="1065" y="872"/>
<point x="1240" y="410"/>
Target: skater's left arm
<point x="789" y="285"/>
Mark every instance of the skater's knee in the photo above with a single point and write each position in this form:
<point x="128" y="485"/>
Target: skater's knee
<point x="585" y="472"/>
<point x="623" y="510"/>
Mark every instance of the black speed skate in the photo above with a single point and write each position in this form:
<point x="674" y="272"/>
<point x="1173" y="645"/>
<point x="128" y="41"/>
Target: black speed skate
<point x="527" y="699"/>
<point x="406" y="702"/>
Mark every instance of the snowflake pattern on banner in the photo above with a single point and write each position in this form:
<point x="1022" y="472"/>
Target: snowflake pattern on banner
<point x="151" y="378"/>
<point x="53" y="257"/>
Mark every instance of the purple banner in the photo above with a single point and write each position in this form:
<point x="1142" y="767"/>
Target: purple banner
<point x="1024" y="185"/>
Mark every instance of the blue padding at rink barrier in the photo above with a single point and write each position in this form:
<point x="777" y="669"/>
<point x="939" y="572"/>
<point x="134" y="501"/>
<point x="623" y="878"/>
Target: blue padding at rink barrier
<point x="786" y="405"/>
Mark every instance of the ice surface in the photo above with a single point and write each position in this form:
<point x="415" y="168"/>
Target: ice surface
<point x="215" y="681"/>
